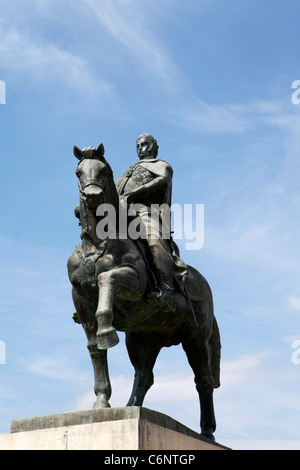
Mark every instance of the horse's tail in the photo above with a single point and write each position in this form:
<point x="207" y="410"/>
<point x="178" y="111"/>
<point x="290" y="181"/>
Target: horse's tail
<point x="214" y="340"/>
<point x="215" y="346"/>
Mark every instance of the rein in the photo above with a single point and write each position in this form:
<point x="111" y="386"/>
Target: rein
<point x="91" y="182"/>
<point x="82" y="196"/>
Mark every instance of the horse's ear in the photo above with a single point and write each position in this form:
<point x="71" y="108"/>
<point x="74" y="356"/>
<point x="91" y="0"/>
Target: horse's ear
<point x="77" y="152"/>
<point x="100" y="150"/>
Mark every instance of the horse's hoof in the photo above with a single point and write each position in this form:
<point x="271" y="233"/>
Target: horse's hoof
<point x="108" y="339"/>
<point x="101" y="402"/>
<point x="209" y="436"/>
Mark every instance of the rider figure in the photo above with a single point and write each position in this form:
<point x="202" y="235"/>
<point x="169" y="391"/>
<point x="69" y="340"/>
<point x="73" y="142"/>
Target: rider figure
<point x="148" y="182"/>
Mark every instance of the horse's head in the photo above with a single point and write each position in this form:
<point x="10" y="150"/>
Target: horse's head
<point x="92" y="172"/>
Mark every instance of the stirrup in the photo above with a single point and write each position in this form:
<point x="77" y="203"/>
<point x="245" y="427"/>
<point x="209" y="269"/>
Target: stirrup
<point x="165" y="294"/>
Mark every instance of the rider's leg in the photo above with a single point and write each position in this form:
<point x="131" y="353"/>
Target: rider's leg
<point x="162" y="264"/>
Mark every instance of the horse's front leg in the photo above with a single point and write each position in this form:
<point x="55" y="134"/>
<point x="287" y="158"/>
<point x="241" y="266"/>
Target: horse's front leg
<point x="108" y="282"/>
<point x="102" y="386"/>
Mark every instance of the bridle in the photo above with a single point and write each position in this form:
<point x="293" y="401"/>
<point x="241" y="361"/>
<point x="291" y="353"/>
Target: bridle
<point x="90" y="182"/>
<point x="83" y="197"/>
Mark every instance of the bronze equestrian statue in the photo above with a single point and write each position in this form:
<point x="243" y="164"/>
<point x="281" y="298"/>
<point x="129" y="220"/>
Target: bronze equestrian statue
<point x="139" y="286"/>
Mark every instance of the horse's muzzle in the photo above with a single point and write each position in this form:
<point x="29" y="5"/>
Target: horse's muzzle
<point x="93" y="196"/>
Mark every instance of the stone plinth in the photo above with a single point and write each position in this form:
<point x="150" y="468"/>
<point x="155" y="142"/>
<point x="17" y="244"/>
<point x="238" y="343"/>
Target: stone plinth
<point x="128" y="428"/>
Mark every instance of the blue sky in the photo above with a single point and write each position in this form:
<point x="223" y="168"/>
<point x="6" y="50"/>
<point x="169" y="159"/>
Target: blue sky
<point x="212" y="81"/>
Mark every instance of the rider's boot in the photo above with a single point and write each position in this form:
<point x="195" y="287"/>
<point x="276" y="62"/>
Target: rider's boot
<point x="165" y="294"/>
<point x="163" y="270"/>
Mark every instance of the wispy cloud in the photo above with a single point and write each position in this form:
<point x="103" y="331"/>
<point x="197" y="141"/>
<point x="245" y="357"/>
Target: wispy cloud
<point x="134" y="26"/>
<point x="259" y="386"/>
<point x="198" y="116"/>
<point x="233" y="117"/>
<point x="257" y="198"/>
<point x="41" y="301"/>
<point x="128" y="22"/>
<point x="25" y="57"/>
<point x="56" y="368"/>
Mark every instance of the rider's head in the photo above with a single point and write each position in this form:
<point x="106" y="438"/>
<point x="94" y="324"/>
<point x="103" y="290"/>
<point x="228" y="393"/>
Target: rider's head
<point x="146" y="146"/>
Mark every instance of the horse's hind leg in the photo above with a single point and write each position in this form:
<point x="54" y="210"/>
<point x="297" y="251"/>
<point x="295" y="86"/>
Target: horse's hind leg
<point x="102" y="386"/>
<point x="197" y="349"/>
<point x="143" y="349"/>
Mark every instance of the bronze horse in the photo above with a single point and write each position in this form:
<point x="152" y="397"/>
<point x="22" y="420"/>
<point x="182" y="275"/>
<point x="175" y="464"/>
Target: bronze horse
<point x="110" y="280"/>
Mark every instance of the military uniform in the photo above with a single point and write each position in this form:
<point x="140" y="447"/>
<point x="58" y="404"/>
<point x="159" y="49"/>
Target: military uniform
<point x="167" y="264"/>
<point x="140" y="174"/>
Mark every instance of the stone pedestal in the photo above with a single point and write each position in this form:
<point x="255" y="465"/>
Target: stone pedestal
<point x="128" y="428"/>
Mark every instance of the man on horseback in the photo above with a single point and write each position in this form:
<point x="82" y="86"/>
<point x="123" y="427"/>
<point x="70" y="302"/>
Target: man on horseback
<point x="149" y="182"/>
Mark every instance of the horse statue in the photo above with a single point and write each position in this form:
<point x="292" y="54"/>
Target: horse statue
<point x="110" y="279"/>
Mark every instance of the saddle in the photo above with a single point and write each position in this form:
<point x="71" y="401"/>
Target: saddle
<point x="181" y="271"/>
